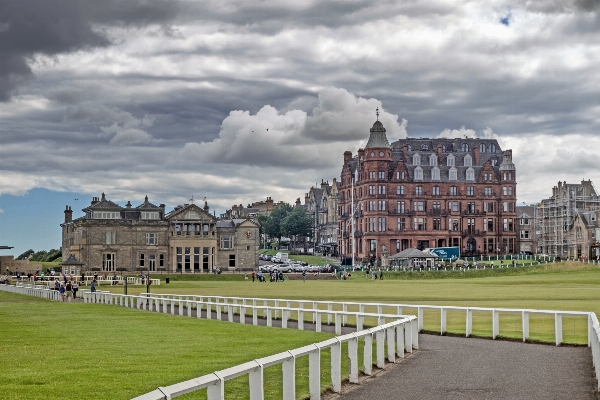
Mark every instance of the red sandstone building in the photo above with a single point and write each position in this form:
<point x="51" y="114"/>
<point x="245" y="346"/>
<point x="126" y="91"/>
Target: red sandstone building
<point x="419" y="193"/>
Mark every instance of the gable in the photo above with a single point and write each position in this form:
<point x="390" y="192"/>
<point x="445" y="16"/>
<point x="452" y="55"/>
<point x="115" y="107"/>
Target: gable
<point x="190" y="212"/>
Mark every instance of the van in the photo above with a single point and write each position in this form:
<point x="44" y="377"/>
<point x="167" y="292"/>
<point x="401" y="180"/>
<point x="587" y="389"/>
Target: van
<point x="282" y="257"/>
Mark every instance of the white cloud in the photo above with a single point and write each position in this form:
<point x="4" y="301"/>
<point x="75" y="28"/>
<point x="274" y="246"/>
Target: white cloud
<point x="130" y="136"/>
<point x="1" y="211"/>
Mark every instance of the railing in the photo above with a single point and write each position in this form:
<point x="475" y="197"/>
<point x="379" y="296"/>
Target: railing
<point x="32" y="290"/>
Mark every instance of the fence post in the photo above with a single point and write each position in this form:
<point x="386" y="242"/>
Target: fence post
<point x="314" y="373"/>
<point x="415" y="335"/>
<point x="495" y="324"/>
<point x="420" y="318"/>
<point x="243" y="313"/>
<point x="318" y="323"/>
<point x="345" y="317"/>
<point x="284" y="318"/>
<point x="216" y="391"/>
<point x="338" y="324"/>
<point x="380" y="338"/>
<point x="359" y="322"/>
<point x="368" y="355"/>
<point x="336" y="366"/>
<point x="353" y="360"/>
<point x="254" y="316"/>
<point x="442" y="321"/>
<point x="400" y="340"/>
<point x="525" y="324"/>
<point x="469" y="328"/>
<point x="288" y="369"/>
<point x="256" y="382"/>
<point x="558" y="328"/>
<point x="301" y="320"/>
<point x="329" y="314"/>
<point x="391" y="344"/>
<point x="269" y="317"/>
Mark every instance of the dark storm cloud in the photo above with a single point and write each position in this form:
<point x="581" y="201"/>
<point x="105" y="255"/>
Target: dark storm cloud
<point x="49" y="27"/>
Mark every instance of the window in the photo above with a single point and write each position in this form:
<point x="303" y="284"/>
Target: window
<point x="524" y="221"/>
<point x="187" y="258"/>
<point x="424" y="147"/>
<point x="419" y="224"/>
<point x="455" y="206"/>
<point x="470" y="226"/>
<point x="419" y="205"/>
<point x="492" y="148"/>
<point x="142" y="260"/>
<point x="470" y="175"/>
<point x="504" y="191"/>
<point x="435" y="191"/>
<point x="419" y="190"/>
<point x="417" y="159"/>
<point x="435" y="174"/>
<point x="490" y="206"/>
<point x="381" y="154"/>
<point x="152" y="262"/>
<point x="437" y="224"/>
<point x="196" y="258"/>
<point x="450" y="160"/>
<point x="452" y="175"/>
<point x="400" y="190"/>
<point x="488" y="191"/>
<point x="161" y="260"/>
<point x="488" y="224"/>
<point x="205" y="259"/>
<point x="149" y="215"/>
<point x="382" y="222"/>
<point x="400" y="207"/>
<point x="151" y="239"/>
<point x="418" y="173"/>
<point x="397" y="174"/>
<point x="505" y="206"/>
<point x="470" y="191"/>
<point x="403" y="175"/>
<point x="179" y="251"/>
<point x="372" y="175"/>
<point x="191" y="215"/>
<point x="482" y="148"/>
<point x="226" y="242"/>
<point x="401" y="224"/>
<point x="106" y="215"/>
<point x="381" y="174"/>
<point x="381" y="205"/>
<point x="371" y="224"/>
<point x="108" y="262"/>
<point x="471" y="208"/>
<point x="464" y="147"/>
<point x="524" y="234"/>
<point x="381" y="189"/>
<point x="110" y="237"/>
<point x="437" y="206"/>
<point x="510" y="190"/>
<point x="443" y="147"/>
<point x="468" y="161"/>
<point x="372" y="189"/>
<point x="232" y="260"/>
<point x="453" y="224"/>
<point x="433" y="161"/>
<point x="453" y="191"/>
<point x="372" y="205"/>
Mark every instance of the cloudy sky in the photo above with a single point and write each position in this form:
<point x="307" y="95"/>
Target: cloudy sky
<point x="239" y="100"/>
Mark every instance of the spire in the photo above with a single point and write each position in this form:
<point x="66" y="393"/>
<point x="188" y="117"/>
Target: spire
<point x="377" y="113"/>
<point x="378" y="137"/>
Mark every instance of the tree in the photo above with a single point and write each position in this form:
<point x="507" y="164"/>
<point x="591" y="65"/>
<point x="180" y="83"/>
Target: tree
<point x="273" y="223"/>
<point x="297" y="223"/>
<point x="25" y="255"/>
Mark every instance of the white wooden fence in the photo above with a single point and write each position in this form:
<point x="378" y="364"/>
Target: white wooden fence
<point x="32" y="290"/>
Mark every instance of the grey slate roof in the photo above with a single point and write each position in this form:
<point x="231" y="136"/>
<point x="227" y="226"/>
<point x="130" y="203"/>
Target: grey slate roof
<point x="378" y="138"/>
<point x="147" y="205"/>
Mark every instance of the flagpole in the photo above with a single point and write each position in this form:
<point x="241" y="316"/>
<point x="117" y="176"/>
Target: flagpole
<point x="353" y="244"/>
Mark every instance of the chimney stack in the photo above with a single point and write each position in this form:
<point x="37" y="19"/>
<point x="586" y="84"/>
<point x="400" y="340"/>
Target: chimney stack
<point x="68" y="214"/>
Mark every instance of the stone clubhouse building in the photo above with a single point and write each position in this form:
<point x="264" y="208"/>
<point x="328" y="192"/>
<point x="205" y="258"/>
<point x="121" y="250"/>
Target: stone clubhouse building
<point x="111" y="238"/>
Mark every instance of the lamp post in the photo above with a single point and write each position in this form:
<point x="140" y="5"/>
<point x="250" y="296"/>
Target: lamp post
<point x="148" y="281"/>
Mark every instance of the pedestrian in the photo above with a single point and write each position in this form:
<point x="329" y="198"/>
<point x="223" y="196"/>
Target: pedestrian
<point x="93" y="286"/>
<point x="245" y="276"/>
<point x="380" y="274"/>
<point x="61" y="290"/>
<point x="69" y="291"/>
<point x="75" y="288"/>
<point x="56" y="285"/>
<point x="373" y="274"/>
<point x="253" y="275"/>
<point x="304" y="275"/>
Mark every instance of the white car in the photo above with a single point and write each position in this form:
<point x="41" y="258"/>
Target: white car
<point x="284" y="268"/>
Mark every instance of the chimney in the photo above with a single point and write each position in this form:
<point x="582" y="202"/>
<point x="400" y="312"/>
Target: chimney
<point x="103" y="196"/>
<point x="361" y="154"/>
<point x="405" y="152"/>
<point x="323" y="184"/>
<point x="162" y="210"/>
<point x="206" y="206"/>
<point x="68" y="214"/>
<point x="476" y="154"/>
<point x="305" y="198"/>
<point x="128" y="205"/>
<point x="347" y="156"/>
<point x="298" y="202"/>
<point x="439" y="153"/>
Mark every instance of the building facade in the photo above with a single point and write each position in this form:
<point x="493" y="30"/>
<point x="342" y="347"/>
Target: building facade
<point x="112" y="238"/>
<point x="423" y="193"/>
<point x="526" y="229"/>
<point x="567" y="222"/>
<point x="253" y="210"/>
<point x="321" y="204"/>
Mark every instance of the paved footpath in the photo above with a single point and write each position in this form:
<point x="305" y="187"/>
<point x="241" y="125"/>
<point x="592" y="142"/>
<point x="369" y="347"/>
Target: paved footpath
<point x="459" y="368"/>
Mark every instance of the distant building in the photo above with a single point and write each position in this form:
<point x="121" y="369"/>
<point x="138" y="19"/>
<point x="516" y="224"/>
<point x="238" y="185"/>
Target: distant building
<point x="321" y="204"/>
<point x="567" y="223"/>
<point x="112" y="238"/>
<point x="526" y="229"/>
<point x="253" y="210"/>
<point x="419" y="193"/>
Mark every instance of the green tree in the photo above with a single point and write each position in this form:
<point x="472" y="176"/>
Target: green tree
<point x="297" y="223"/>
<point x="26" y="254"/>
<point x="273" y="223"/>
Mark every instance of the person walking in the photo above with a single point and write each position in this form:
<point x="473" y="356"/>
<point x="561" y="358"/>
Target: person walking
<point x="62" y="290"/>
<point x="380" y="274"/>
<point x="75" y="287"/>
<point x="69" y="291"/>
<point x="253" y="275"/>
<point x="93" y="286"/>
<point x="304" y="275"/>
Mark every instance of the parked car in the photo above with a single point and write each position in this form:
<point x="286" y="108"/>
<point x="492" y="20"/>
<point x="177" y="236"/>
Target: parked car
<point x="267" y="257"/>
<point x="284" y="268"/>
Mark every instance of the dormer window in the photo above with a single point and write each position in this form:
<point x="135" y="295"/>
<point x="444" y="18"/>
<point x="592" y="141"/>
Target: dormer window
<point x="433" y="160"/>
<point x="470" y="174"/>
<point x="482" y="148"/>
<point x="468" y="161"/>
<point x="106" y="215"/>
<point x="409" y="147"/>
<point x="443" y="147"/>
<point x="450" y="160"/>
<point x="419" y="173"/>
<point x="149" y="215"/>
<point x="494" y="162"/>
<point x="452" y="175"/>
<point x="464" y="147"/>
<point x="425" y="147"/>
<point x="417" y="159"/>
<point x="435" y="174"/>
<point x="492" y="148"/>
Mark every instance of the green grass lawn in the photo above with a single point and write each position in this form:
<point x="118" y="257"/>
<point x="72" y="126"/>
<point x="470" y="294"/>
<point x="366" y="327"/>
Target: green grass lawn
<point x="98" y="351"/>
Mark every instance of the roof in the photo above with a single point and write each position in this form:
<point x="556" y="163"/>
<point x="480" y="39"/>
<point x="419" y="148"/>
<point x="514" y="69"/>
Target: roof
<point x="412" y="253"/>
<point x="72" y="260"/>
<point x="103" y="204"/>
<point x="146" y="204"/>
<point x="378" y="137"/>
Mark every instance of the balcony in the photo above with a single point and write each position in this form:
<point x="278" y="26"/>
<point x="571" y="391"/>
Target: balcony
<point x="404" y="212"/>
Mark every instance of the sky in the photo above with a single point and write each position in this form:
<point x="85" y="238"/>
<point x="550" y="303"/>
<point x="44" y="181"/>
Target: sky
<point x="236" y="101"/>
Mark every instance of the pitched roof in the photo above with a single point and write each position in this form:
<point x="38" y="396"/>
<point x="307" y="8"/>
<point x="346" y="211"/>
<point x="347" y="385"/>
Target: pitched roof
<point x="103" y="204"/>
<point x="146" y="204"/>
<point x="378" y="138"/>
<point x="412" y="253"/>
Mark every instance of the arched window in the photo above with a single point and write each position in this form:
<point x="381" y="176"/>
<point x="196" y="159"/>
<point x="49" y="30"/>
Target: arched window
<point x="492" y="148"/>
<point x="435" y="174"/>
<point x="464" y="147"/>
<point x="482" y="148"/>
<point x="424" y="147"/>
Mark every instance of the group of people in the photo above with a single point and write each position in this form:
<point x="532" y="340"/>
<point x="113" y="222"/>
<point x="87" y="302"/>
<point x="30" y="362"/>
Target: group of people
<point x="373" y="273"/>
<point x="274" y="276"/>
<point x="67" y="289"/>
